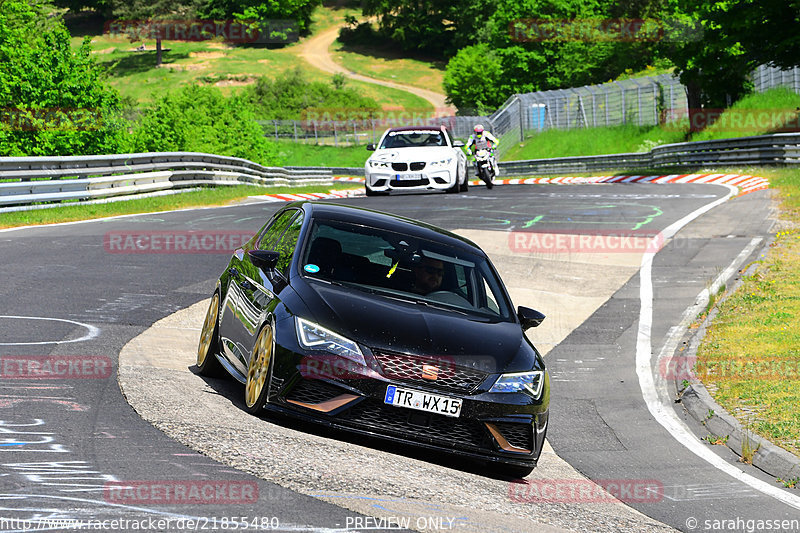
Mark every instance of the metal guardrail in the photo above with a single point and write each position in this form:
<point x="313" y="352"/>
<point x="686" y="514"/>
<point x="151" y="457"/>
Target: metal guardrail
<point x="29" y="180"/>
<point x="51" y="179"/>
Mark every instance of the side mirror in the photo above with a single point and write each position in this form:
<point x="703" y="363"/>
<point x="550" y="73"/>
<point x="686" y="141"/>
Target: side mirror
<point x="371" y="147"/>
<point x="530" y="318"/>
<point x="458" y="144"/>
<point x="264" y="259"/>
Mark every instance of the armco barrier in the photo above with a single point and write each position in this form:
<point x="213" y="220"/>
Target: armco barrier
<point x="29" y="180"/>
<point x="50" y="179"/>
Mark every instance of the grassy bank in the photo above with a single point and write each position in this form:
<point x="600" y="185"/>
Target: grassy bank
<point x="134" y="74"/>
<point x="756" y="114"/>
<point x="313" y="155"/>
<point x="749" y="359"/>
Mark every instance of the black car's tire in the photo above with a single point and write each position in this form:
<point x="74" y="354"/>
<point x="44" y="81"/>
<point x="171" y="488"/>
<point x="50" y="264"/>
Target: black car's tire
<point x="259" y="369"/>
<point x="208" y="347"/>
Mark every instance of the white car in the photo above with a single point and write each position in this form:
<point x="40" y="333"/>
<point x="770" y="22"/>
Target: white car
<point x="416" y="158"/>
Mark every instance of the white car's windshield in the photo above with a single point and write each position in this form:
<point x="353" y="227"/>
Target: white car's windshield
<point x="400" y="266"/>
<point x="413" y="138"/>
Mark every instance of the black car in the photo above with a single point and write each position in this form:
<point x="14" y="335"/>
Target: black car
<point x="380" y="325"/>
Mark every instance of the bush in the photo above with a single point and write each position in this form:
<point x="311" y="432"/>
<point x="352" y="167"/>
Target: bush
<point x="355" y="33"/>
<point x="201" y="119"/>
<point x="292" y="96"/>
<point x="54" y="101"/>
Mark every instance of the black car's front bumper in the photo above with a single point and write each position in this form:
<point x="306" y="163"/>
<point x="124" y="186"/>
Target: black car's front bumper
<point x="507" y="428"/>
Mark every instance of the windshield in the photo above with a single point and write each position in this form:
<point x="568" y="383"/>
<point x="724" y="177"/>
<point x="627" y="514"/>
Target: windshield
<point x="399" y="266"/>
<point x="413" y="138"/>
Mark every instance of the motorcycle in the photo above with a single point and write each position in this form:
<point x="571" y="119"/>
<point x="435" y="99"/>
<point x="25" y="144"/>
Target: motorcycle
<point x="485" y="166"/>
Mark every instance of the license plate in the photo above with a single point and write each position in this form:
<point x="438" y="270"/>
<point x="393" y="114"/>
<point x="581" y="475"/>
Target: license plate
<point x="422" y="401"/>
<point x="408" y="176"/>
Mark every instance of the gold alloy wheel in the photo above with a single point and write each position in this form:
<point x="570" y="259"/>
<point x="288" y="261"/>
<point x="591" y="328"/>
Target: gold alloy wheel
<point x="259" y="367"/>
<point x="207" y="334"/>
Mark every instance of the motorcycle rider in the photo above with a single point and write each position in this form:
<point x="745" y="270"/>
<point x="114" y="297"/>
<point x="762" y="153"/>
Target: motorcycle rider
<point x="483" y="140"/>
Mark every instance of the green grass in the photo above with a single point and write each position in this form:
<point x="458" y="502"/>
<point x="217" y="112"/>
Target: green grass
<point x="311" y="155"/>
<point x="749" y="357"/>
<point x="589" y="141"/>
<point x="388" y="63"/>
<point x="73" y="211"/>
<point x="755" y="114"/>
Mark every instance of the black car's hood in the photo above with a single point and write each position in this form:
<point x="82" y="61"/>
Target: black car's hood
<point x="388" y="324"/>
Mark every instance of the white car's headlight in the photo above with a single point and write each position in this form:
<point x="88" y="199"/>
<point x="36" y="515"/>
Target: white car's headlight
<point x="315" y="337"/>
<point x="379" y="164"/>
<point x="530" y="383"/>
<point x="442" y="162"/>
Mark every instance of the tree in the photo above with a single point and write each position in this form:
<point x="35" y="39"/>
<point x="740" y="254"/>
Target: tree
<point x="137" y="14"/>
<point x="433" y="27"/>
<point x="260" y="10"/>
<point x="54" y="100"/>
<point x="737" y="36"/>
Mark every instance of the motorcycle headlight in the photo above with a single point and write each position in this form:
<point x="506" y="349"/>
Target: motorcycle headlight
<point x="314" y="337"/>
<point x="530" y="383"/>
<point x="379" y="164"/>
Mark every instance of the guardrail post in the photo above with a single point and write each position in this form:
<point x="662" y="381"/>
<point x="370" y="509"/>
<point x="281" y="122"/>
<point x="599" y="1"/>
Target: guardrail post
<point x="521" y="120"/>
<point x="335" y="138"/>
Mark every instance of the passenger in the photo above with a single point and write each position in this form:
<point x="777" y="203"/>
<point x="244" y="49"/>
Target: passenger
<point x="427" y="275"/>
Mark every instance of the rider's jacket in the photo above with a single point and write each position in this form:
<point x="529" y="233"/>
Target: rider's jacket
<point x="482" y="141"/>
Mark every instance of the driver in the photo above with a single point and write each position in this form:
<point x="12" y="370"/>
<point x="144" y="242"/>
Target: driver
<point x="483" y="140"/>
<point x="428" y="275"/>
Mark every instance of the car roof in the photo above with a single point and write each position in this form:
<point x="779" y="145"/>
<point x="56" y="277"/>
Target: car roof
<point x="380" y="219"/>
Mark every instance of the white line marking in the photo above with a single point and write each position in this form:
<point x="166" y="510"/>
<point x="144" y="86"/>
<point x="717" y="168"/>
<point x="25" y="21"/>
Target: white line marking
<point x="660" y="407"/>
<point x="92" y="331"/>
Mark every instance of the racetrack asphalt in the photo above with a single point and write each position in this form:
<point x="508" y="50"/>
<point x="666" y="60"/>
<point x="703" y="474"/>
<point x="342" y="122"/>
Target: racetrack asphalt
<point x="600" y="425"/>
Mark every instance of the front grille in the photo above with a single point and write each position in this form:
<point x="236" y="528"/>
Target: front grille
<point x="313" y="391"/>
<point x="517" y="435"/>
<point x="424" y="426"/>
<point x="417" y="165"/>
<point x="449" y="377"/>
<point x="399" y="166"/>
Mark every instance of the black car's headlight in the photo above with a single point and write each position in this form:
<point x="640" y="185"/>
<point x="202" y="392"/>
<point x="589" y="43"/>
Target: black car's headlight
<point x="314" y="337"/>
<point x="530" y="383"/>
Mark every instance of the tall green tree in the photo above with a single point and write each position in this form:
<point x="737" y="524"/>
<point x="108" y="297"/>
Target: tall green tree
<point x="260" y="10"/>
<point x="137" y="13"/>
<point x="736" y="36"/>
<point x="433" y="27"/>
<point x="53" y="100"/>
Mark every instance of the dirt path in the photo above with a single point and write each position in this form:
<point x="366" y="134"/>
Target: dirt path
<point x="316" y="50"/>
